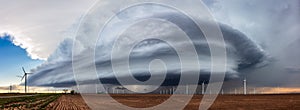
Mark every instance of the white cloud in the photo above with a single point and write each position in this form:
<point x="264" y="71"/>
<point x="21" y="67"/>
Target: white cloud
<point x="269" y="22"/>
<point x="39" y="26"/>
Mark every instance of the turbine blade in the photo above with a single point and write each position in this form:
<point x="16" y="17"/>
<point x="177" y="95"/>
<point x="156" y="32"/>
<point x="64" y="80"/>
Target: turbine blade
<point x="22" y="77"/>
<point x="23" y="69"/>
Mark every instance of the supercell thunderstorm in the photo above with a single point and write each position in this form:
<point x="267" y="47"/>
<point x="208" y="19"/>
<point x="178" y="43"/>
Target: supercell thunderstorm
<point x="242" y="52"/>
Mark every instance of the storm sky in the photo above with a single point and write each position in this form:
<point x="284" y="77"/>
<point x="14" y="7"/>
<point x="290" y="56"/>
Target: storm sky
<point x="261" y="38"/>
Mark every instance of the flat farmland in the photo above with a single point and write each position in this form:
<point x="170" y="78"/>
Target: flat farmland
<point x="26" y="101"/>
<point x="76" y="102"/>
<point x="68" y="102"/>
<point x="226" y="102"/>
<point x="15" y="94"/>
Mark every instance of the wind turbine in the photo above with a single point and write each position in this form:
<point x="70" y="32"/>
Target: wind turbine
<point x="24" y="76"/>
<point x="245" y="86"/>
<point x="202" y="88"/>
<point x="10" y="88"/>
<point x="187" y="89"/>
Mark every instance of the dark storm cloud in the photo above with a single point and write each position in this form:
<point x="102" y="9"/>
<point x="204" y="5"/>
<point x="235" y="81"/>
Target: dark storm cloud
<point x="274" y="24"/>
<point x="242" y="53"/>
<point x="293" y="70"/>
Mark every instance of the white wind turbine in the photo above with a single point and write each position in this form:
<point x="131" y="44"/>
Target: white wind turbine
<point x="245" y="86"/>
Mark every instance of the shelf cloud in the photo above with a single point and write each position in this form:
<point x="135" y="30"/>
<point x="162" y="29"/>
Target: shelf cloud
<point x="262" y="42"/>
<point x="242" y="53"/>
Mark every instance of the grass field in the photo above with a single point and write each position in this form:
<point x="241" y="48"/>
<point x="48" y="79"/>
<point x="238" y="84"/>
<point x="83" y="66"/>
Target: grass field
<point x="223" y="102"/>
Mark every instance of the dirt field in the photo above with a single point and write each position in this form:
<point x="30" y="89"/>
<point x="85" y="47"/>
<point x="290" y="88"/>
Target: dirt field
<point x="240" y="102"/>
<point x="253" y="102"/>
<point x="68" y="102"/>
<point x="15" y="94"/>
<point x="26" y="102"/>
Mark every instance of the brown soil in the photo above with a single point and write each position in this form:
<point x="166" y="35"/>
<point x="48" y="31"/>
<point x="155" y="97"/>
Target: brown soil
<point x="253" y="102"/>
<point x="249" y="102"/>
<point x="15" y="94"/>
<point x="237" y="102"/>
<point x="68" y="102"/>
<point x="34" y="102"/>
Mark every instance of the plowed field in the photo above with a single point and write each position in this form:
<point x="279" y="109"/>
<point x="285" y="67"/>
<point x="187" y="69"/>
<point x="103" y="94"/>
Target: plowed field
<point x="228" y="102"/>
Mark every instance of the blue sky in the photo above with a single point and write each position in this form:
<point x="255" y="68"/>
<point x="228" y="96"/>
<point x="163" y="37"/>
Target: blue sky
<point x="12" y="58"/>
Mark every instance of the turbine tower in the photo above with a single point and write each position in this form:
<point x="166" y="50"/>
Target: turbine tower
<point x="24" y="76"/>
<point x="10" y="88"/>
<point x="202" y="88"/>
<point x="245" y="86"/>
<point x="222" y="91"/>
<point x="235" y="91"/>
<point x="187" y="89"/>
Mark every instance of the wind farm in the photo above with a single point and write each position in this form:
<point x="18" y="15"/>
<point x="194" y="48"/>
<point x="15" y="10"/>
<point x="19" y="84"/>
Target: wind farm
<point x="243" y="97"/>
<point x="157" y="55"/>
